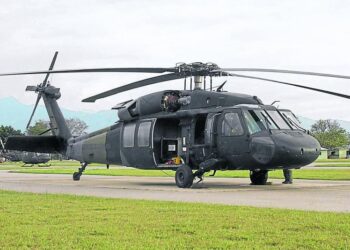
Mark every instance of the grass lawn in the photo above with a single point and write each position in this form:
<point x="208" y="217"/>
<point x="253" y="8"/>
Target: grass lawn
<point x="333" y="160"/>
<point x="45" y="221"/>
<point x="344" y="164"/>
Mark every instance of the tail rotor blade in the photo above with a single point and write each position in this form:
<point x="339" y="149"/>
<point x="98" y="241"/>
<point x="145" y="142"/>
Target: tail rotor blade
<point x="44" y="83"/>
<point x="35" y="106"/>
<point x="51" y="68"/>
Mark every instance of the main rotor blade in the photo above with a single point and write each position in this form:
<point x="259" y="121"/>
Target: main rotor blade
<point x="290" y="84"/>
<point x="34" y="109"/>
<point x="50" y="68"/>
<point x="134" y="85"/>
<point x="286" y="72"/>
<point x="96" y="70"/>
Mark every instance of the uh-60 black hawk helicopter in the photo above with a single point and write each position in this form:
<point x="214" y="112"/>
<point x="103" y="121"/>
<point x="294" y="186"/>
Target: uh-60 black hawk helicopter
<point x="192" y="131"/>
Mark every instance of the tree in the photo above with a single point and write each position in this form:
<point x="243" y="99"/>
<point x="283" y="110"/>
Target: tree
<point x="76" y="126"/>
<point x="330" y="134"/>
<point x="6" y="131"/>
<point x="38" y="128"/>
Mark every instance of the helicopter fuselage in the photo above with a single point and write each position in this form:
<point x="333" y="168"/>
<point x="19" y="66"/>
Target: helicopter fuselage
<point x="217" y="130"/>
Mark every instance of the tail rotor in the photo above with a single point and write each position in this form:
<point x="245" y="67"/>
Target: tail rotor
<point x="40" y="87"/>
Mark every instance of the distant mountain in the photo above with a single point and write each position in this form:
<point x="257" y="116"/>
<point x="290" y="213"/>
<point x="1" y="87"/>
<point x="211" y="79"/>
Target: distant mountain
<point x="16" y="114"/>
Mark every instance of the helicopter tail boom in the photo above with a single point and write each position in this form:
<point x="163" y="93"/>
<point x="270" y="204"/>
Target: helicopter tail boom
<point x="38" y="144"/>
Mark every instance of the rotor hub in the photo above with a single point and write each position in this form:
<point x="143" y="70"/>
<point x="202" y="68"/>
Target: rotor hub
<point x="197" y="69"/>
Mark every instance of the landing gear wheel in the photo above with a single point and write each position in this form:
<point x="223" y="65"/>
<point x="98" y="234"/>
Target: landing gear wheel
<point x="76" y="176"/>
<point x="259" y="177"/>
<point x="184" y="177"/>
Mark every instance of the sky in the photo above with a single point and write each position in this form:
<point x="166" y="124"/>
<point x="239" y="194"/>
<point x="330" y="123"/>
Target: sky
<point x="295" y="35"/>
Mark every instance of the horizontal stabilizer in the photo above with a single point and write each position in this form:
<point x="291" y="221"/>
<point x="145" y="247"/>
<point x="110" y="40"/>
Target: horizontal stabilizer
<point x="39" y="144"/>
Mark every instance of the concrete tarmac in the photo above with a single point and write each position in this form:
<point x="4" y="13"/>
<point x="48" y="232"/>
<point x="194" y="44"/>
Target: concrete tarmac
<point x="303" y="194"/>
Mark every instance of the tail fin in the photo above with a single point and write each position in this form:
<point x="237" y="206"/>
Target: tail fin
<point x="58" y="124"/>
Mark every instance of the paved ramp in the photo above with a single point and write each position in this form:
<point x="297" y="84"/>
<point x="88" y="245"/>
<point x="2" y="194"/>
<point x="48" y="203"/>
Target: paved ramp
<point x="303" y="194"/>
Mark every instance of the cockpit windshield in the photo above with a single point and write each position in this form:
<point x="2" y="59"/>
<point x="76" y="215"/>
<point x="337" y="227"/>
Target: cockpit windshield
<point x="278" y="119"/>
<point x="292" y="119"/>
<point x="260" y="119"/>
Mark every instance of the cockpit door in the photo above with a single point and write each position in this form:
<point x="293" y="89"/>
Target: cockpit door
<point x="232" y="137"/>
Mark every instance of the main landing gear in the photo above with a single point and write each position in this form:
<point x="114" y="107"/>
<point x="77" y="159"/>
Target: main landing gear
<point x="259" y="177"/>
<point x="77" y="175"/>
<point x="184" y="177"/>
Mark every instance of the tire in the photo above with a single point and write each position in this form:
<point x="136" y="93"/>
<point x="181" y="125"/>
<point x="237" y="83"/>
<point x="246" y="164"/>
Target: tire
<point x="184" y="177"/>
<point x="76" y="176"/>
<point x="259" y="177"/>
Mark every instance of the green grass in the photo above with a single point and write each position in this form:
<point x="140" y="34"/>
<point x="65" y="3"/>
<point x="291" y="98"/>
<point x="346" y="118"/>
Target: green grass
<point x="328" y="165"/>
<point x="45" y="221"/>
<point x="333" y="160"/>
<point x="323" y="174"/>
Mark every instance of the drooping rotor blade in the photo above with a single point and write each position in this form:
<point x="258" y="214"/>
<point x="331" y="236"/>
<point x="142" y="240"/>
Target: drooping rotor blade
<point x="134" y="85"/>
<point x="96" y="70"/>
<point x="34" y="109"/>
<point x="286" y="72"/>
<point x="290" y="84"/>
<point x="50" y="68"/>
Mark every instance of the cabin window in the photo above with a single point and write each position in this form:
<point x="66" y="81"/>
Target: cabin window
<point x="143" y="134"/>
<point x="129" y="135"/>
<point x="231" y="125"/>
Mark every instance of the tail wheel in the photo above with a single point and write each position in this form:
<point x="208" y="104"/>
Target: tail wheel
<point x="184" y="177"/>
<point x="259" y="177"/>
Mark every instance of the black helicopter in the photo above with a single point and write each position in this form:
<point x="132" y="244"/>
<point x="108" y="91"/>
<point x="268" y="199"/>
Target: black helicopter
<point x="192" y="131"/>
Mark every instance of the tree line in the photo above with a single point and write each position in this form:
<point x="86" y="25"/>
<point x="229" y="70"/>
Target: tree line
<point x="75" y="125"/>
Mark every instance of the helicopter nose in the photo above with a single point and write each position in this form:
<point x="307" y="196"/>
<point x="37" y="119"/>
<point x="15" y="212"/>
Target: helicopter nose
<point x="294" y="149"/>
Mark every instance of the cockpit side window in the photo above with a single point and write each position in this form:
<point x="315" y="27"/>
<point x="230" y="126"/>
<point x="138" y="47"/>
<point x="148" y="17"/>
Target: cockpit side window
<point x="265" y="119"/>
<point x="231" y="125"/>
<point x="251" y="121"/>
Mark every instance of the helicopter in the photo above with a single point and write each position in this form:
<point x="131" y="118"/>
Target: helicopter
<point x="13" y="156"/>
<point x="28" y="158"/>
<point x="191" y="131"/>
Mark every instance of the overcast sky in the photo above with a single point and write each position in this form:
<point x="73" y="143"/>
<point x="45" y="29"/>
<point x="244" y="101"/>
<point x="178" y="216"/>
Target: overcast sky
<point x="298" y="34"/>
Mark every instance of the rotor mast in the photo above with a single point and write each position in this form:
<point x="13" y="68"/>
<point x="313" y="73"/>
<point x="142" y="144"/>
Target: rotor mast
<point x="198" y="72"/>
<point x="198" y="82"/>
